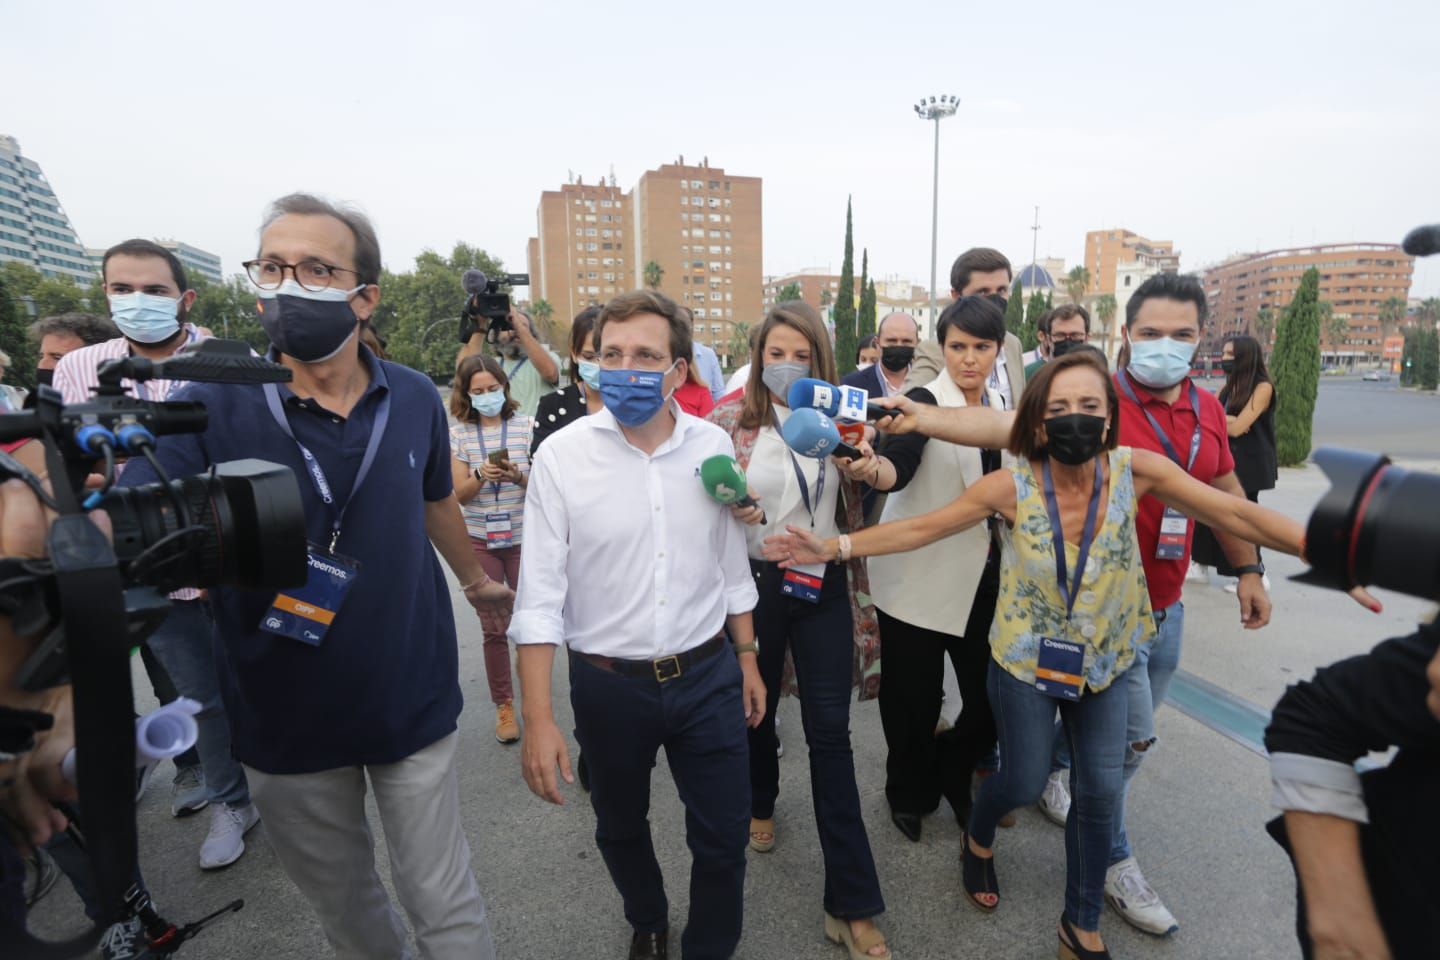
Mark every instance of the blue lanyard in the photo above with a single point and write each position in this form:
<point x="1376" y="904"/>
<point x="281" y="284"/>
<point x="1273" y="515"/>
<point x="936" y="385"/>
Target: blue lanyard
<point x="1160" y="433"/>
<point x="805" y="489"/>
<point x="1087" y="536"/>
<point x="312" y="465"/>
<point x="480" y="437"/>
<point x="510" y="374"/>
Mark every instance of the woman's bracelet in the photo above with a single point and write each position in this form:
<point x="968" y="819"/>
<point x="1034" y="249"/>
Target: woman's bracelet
<point x="842" y="552"/>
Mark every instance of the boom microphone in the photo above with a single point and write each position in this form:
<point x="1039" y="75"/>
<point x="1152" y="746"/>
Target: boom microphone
<point x="474" y="282"/>
<point x="725" y="482"/>
<point x="810" y="433"/>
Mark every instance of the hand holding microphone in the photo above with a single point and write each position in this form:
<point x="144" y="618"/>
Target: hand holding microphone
<point x="811" y="433"/>
<point x="725" y="482"/>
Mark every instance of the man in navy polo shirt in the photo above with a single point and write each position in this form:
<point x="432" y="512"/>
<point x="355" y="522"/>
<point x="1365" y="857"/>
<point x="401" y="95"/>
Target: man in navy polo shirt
<point x="315" y="709"/>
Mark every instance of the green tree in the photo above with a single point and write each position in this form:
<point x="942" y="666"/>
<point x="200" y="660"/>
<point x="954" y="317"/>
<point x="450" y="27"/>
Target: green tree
<point x="1334" y="328"/>
<point x="15" y="338"/>
<point x="1105" y="309"/>
<point x="789" y="292"/>
<point x="845" y="338"/>
<point x="739" y="344"/>
<point x="1295" y="367"/>
<point x="865" y="319"/>
<point x="1427" y="360"/>
<point x="654" y="273"/>
<point x="543" y="312"/>
<point x="1264" y="326"/>
<point x="1392" y="312"/>
<point x="1408" y="357"/>
<point x="419" y="311"/>
<point x="228" y="310"/>
<point x="1077" y="282"/>
<point x="1029" y="332"/>
<point x="1014" y="311"/>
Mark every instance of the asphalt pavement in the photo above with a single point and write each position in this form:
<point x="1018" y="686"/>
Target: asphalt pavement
<point x="1196" y="813"/>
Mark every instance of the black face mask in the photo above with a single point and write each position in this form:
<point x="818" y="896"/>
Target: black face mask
<point x="45" y="376"/>
<point x="1227" y="367"/>
<point x="999" y="299"/>
<point x="1061" y="347"/>
<point x="896" y="359"/>
<point x="1074" y="438"/>
<point x="309" y="330"/>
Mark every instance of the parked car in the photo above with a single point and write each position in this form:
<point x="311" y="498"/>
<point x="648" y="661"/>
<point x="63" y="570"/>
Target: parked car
<point x="1376" y="375"/>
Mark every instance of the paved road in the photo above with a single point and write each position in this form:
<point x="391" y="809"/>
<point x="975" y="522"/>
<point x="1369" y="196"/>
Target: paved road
<point x="1196" y="814"/>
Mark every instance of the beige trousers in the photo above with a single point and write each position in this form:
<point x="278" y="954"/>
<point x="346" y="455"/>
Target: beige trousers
<point x="317" y="826"/>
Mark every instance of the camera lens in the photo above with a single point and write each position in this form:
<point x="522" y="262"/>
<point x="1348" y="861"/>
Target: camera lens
<point x="1377" y="525"/>
<point x="246" y="529"/>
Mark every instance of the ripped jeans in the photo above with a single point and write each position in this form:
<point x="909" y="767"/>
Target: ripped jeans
<point x="1147" y="681"/>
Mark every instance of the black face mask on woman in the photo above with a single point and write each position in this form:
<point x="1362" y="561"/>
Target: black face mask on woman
<point x="1074" y="438"/>
<point x="1227" y="367"/>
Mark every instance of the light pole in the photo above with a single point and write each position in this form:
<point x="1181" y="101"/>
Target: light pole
<point x="936" y="109"/>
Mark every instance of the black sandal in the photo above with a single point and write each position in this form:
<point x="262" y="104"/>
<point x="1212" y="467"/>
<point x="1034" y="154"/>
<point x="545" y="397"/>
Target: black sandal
<point x="1071" y="950"/>
<point x="977" y="875"/>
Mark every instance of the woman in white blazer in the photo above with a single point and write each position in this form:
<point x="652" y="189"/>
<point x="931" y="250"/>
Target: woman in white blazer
<point x="937" y="600"/>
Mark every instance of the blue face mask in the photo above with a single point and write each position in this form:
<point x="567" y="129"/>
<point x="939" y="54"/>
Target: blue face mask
<point x="589" y="372"/>
<point x="488" y="404"/>
<point x="634" y="396"/>
<point x="145" y="317"/>
<point x="1160" y="364"/>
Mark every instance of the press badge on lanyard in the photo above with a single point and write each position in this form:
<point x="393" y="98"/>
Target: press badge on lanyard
<point x="307" y="613"/>
<point x="1174" y="525"/>
<point x="498" y="532"/>
<point x="804" y="582"/>
<point x="1060" y="667"/>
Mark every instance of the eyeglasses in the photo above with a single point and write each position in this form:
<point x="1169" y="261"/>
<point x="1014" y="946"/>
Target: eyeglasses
<point x="311" y="274"/>
<point x="1067" y="338"/>
<point x="644" y="360"/>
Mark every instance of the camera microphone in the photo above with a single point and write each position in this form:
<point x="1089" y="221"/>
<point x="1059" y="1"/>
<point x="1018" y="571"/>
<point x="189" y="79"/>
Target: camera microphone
<point x="1422" y="241"/>
<point x="474" y="282"/>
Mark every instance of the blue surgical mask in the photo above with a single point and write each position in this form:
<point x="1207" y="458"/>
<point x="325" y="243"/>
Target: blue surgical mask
<point x="1160" y="364"/>
<point x="634" y="396"/>
<point x="488" y="404"/>
<point x="589" y="372"/>
<point x="145" y="317"/>
<point x="309" y="325"/>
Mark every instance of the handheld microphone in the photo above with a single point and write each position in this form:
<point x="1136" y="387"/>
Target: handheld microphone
<point x="725" y="482"/>
<point x="841" y="403"/>
<point x="1422" y="241"/>
<point x="810" y="433"/>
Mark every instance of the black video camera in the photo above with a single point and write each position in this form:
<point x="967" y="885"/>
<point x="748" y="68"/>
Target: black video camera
<point x="487" y="306"/>
<point x="1377" y="524"/>
<point x="89" y="603"/>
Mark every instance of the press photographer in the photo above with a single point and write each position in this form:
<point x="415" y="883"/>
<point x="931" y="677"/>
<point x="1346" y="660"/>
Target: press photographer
<point x="354" y="677"/>
<point x="491" y="319"/>
<point x="1366" y="845"/>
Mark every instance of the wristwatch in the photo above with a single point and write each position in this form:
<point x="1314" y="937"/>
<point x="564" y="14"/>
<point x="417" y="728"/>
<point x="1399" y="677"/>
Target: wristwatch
<point x="1256" y="568"/>
<point x="751" y="647"/>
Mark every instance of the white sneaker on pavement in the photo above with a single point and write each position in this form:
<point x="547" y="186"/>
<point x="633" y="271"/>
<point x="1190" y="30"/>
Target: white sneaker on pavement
<point x="125" y="941"/>
<point x="1055" y="799"/>
<point x="1136" y="901"/>
<point x="226" y="841"/>
<point x="187" y="792"/>
<point x="1197" y="573"/>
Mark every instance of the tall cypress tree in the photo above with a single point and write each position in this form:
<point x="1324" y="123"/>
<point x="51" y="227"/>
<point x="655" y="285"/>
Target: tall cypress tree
<point x="1295" y="367"/>
<point x="1030" y="331"/>
<point x="1015" y="311"/>
<point x="845" y="339"/>
<point x="865" y="321"/>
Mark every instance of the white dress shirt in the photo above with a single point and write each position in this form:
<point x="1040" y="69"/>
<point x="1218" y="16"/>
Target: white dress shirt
<point x="625" y="554"/>
<point x="771" y="474"/>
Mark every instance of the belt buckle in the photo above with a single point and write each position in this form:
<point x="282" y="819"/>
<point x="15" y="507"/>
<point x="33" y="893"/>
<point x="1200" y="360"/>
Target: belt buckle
<point x="666" y="668"/>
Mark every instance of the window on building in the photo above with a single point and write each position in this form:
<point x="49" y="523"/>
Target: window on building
<point x="699" y="313"/>
<point x="714" y="184"/>
<point x="695" y="184"/>
<point x="715" y="295"/>
<point x="714" y="327"/>
<point x="684" y="201"/>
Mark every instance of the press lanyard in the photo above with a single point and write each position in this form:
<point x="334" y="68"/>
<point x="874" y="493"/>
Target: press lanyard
<point x="1160" y="433"/>
<point x="312" y="465"/>
<point x="804" y="488"/>
<point x="1087" y="536"/>
<point x="480" y="436"/>
<point x="510" y="374"/>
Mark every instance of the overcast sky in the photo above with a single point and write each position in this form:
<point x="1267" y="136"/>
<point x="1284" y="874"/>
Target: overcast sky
<point x="1225" y="127"/>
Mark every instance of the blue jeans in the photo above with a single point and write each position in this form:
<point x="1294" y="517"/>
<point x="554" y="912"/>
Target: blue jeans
<point x="1146" y="683"/>
<point x="698" y="717"/>
<point x="1094" y="726"/>
<point x="818" y="636"/>
<point x="184" y="644"/>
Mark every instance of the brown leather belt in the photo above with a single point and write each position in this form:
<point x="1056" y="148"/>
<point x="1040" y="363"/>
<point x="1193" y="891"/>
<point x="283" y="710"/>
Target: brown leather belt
<point x="662" y="670"/>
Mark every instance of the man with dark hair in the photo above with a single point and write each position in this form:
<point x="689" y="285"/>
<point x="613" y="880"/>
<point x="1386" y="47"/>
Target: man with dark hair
<point x="643" y="590"/>
<point x="368" y="688"/>
<point x="60" y="334"/>
<point x="1061" y="330"/>
<point x="978" y="272"/>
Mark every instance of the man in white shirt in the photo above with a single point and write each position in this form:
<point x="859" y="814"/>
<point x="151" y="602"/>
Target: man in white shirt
<point x="640" y="574"/>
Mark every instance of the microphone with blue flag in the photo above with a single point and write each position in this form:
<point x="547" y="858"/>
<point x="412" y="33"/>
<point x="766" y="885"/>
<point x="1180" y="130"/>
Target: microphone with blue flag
<point x="841" y="403"/>
<point x="811" y="433"/>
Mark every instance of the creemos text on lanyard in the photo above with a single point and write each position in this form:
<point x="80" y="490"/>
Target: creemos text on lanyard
<point x="309" y="325"/>
<point x="634" y="396"/>
<point x="145" y="317"/>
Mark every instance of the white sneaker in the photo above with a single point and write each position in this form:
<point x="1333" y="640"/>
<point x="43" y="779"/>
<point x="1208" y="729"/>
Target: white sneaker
<point x="1055" y="800"/>
<point x="1234" y="585"/>
<point x="1136" y="901"/>
<point x="226" y="841"/>
<point x="187" y="792"/>
<point x="1197" y="573"/>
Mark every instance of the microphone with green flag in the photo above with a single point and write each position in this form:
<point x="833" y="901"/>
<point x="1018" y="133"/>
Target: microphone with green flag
<point x="725" y="482"/>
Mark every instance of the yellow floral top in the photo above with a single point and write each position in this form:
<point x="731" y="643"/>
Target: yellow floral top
<point x="1112" y="614"/>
